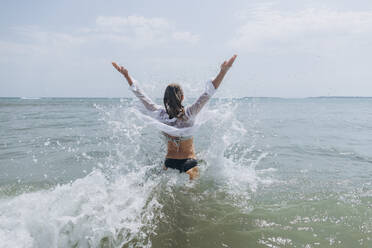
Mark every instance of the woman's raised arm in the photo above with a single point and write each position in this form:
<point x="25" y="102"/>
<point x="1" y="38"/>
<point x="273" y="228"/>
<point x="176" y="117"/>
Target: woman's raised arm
<point x="211" y="87"/>
<point x="123" y="71"/>
<point x="225" y="66"/>
<point x="147" y="102"/>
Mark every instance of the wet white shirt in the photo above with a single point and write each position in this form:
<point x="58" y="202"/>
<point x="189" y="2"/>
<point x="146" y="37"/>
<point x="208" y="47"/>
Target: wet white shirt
<point x="177" y="127"/>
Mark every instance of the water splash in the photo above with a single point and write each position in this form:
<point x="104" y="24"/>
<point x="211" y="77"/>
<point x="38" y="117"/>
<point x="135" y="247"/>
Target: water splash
<point x="127" y="198"/>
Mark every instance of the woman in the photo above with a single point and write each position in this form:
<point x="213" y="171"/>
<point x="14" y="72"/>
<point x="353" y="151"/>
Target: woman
<point x="181" y="154"/>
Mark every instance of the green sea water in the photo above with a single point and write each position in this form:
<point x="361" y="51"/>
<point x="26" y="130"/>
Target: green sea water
<point x="274" y="173"/>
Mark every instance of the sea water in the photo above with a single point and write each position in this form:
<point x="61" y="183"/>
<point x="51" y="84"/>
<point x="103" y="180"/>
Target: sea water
<point x="274" y="173"/>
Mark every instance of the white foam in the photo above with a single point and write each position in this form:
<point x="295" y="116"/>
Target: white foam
<point x="120" y="203"/>
<point x="234" y="161"/>
<point x="30" y="98"/>
<point x="82" y="213"/>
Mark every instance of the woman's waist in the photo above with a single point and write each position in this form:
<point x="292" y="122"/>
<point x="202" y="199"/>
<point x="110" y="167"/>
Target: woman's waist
<point x="177" y="138"/>
<point x="181" y="149"/>
<point x="182" y="145"/>
<point x="177" y="155"/>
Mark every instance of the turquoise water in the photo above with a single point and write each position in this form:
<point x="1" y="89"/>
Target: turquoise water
<point x="274" y="173"/>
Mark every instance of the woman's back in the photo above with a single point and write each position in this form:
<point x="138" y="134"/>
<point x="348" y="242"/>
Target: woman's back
<point x="176" y="121"/>
<point x="180" y="149"/>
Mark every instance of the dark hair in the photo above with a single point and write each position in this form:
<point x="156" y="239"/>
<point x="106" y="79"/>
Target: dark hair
<point x="172" y="101"/>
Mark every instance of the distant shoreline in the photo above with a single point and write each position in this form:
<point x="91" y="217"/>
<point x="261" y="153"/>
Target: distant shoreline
<point x="245" y="97"/>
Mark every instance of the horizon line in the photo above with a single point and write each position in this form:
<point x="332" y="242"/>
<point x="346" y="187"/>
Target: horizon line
<point x="105" y="97"/>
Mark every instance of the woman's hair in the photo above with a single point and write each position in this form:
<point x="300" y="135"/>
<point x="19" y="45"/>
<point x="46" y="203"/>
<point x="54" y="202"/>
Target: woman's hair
<point x="172" y="101"/>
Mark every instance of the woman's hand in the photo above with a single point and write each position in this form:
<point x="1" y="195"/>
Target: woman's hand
<point x="227" y="64"/>
<point x="224" y="68"/>
<point x="123" y="71"/>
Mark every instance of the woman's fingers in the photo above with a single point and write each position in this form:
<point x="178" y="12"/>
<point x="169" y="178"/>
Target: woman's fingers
<point x="116" y="66"/>
<point x="227" y="64"/>
<point x="121" y="69"/>
<point x="231" y="60"/>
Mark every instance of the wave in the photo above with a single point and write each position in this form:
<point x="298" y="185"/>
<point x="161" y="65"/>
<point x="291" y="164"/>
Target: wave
<point x="30" y="98"/>
<point x="128" y="199"/>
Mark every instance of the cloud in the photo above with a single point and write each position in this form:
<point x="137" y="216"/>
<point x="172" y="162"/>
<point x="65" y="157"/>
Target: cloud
<point x="117" y="23"/>
<point x="140" y="31"/>
<point x="35" y="34"/>
<point x="34" y="41"/>
<point x="264" y="25"/>
<point x="12" y="48"/>
<point x="186" y="36"/>
<point x="133" y="31"/>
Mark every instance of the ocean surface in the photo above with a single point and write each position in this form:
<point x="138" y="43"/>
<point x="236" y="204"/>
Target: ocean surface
<point x="86" y="172"/>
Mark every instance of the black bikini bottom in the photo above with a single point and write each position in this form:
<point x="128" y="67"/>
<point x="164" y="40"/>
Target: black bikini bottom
<point x="182" y="165"/>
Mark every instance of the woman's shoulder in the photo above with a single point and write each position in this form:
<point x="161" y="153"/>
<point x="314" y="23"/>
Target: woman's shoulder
<point x="189" y="112"/>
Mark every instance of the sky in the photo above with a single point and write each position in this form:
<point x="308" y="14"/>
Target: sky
<point x="51" y="48"/>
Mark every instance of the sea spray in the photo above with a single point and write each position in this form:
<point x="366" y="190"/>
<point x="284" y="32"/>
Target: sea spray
<point x="83" y="213"/>
<point x="88" y="173"/>
<point x="231" y="159"/>
<point x="128" y="199"/>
